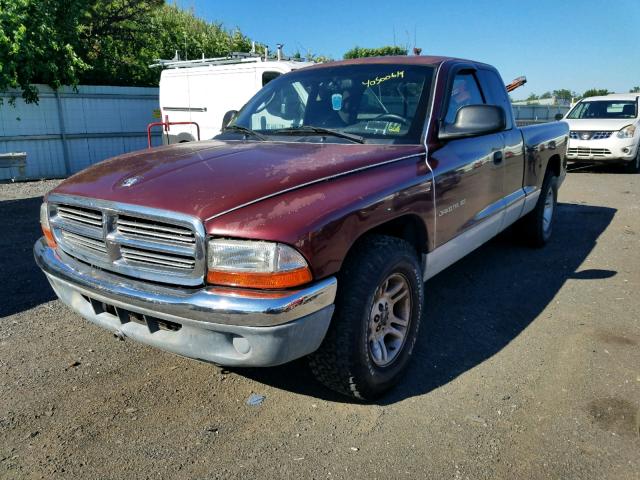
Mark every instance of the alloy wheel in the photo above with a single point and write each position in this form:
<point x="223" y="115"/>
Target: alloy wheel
<point x="389" y="320"/>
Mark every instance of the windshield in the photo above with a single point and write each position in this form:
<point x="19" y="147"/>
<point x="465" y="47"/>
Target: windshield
<point x="375" y="103"/>
<point x="605" y="109"/>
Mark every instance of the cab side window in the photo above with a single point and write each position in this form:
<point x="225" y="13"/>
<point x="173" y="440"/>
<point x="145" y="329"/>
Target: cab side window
<point x="496" y="93"/>
<point x="465" y="91"/>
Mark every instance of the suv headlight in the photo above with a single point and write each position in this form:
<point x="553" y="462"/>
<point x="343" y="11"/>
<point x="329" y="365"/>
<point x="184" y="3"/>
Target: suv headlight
<point x="627" y="132"/>
<point x="255" y="264"/>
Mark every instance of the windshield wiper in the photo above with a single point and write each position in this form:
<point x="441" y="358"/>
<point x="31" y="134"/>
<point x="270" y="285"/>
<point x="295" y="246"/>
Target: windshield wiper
<point x="245" y="130"/>
<point x="319" y="130"/>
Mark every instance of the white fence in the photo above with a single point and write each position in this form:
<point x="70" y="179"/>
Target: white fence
<point x="69" y="130"/>
<point x="532" y="114"/>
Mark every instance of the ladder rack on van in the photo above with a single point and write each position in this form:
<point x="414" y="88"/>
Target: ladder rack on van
<point x="233" y="58"/>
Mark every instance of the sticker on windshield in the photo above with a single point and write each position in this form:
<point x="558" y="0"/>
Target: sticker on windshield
<point x="378" y="80"/>
<point x="336" y="101"/>
<point x="393" y="127"/>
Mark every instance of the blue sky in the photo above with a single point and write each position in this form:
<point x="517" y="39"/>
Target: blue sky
<point x="575" y="44"/>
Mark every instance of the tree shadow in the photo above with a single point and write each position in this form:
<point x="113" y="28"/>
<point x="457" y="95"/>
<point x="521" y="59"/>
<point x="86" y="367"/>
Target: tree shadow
<point x="24" y="286"/>
<point x="479" y="305"/>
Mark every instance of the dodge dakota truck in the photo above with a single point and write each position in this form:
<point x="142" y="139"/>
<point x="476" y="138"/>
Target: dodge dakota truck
<point x="310" y="225"/>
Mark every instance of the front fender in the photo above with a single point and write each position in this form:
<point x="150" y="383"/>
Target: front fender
<point x="323" y="220"/>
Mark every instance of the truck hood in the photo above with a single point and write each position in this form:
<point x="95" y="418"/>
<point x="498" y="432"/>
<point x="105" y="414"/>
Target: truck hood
<point x="205" y="179"/>
<point x="599" y="124"/>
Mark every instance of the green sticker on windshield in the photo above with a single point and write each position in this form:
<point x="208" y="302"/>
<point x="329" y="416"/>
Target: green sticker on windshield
<point x="393" y="127"/>
<point x="378" y="80"/>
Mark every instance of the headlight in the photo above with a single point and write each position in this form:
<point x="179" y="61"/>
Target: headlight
<point x="253" y="264"/>
<point x="627" y="132"/>
<point x="44" y="223"/>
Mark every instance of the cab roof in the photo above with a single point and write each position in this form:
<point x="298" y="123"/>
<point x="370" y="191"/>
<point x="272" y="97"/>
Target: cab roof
<point x="427" y="60"/>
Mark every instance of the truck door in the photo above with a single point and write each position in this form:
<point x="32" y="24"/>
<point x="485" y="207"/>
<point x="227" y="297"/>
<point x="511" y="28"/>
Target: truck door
<point x="496" y="94"/>
<point x="469" y="172"/>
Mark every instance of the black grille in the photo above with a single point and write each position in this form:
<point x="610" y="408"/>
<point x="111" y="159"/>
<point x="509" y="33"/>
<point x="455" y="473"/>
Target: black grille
<point x="584" y="135"/>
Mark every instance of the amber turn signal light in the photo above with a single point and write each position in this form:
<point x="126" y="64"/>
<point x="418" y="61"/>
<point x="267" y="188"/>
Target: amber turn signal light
<point x="272" y="280"/>
<point x="48" y="236"/>
<point x="44" y="223"/>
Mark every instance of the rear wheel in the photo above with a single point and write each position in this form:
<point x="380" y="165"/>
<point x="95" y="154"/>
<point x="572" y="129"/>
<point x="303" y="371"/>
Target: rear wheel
<point x="379" y="307"/>
<point x="536" y="227"/>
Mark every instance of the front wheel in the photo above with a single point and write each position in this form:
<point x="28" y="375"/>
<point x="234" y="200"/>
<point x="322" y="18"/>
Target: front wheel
<point x="634" y="165"/>
<point x="379" y="307"/>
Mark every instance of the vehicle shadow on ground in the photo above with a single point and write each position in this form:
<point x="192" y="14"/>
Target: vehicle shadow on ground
<point x="23" y="285"/>
<point x="600" y="168"/>
<point x="479" y="305"/>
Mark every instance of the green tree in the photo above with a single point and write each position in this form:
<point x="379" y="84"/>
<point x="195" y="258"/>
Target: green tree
<point x="100" y="42"/>
<point x="320" y="59"/>
<point x="37" y="44"/>
<point x="595" y="92"/>
<point x="564" y="94"/>
<point x="129" y="35"/>
<point x="546" y="95"/>
<point x="635" y="90"/>
<point x="116" y="42"/>
<point x="533" y="97"/>
<point x="312" y="57"/>
<point x="359" y="52"/>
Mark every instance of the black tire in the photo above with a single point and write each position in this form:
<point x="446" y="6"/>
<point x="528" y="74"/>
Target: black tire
<point x="532" y="228"/>
<point x="345" y="360"/>
<point x="634" y="165"/>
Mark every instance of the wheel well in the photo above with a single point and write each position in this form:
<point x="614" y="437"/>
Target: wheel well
<point x="407" y="227"/>
<point x="555" y="165"/>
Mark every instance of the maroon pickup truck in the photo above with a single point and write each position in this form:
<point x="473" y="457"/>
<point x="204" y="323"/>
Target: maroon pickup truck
<point x="310" y="224"/>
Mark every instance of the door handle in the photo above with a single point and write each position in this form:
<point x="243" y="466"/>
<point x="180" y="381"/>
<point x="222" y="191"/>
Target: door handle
<point x="497" y="157"/>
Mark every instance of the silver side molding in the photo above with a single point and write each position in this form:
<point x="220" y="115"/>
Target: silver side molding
<point x="458" y="247"/>
<point x="531" y="199"/>
<point x="495" y="218"/>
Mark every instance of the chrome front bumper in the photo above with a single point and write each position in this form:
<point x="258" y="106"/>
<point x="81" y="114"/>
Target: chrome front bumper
<point x="224" y="326"/>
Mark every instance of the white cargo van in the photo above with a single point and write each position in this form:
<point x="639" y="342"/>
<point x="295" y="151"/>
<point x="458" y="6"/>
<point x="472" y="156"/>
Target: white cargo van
<point x="202" y="91"/>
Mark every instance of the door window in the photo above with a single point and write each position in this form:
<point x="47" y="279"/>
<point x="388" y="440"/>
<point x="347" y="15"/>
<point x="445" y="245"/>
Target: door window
<point x="465" y="92"/>
<point x="496" y="93"/>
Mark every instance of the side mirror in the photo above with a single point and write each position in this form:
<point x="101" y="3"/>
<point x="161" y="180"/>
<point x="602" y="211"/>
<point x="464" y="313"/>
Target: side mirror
<point x="473" y="121"/>
<point x="558" y="117"/>
<point x="226" y="120"/>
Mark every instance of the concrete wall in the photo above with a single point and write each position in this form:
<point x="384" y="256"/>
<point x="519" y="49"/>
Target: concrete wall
<point x="68" y="131"/>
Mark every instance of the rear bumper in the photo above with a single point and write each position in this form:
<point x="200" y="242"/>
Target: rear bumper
<point x="223" y="326"/>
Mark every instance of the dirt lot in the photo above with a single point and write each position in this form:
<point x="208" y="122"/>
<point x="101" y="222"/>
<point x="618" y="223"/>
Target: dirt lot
<point x="528" y="367"/>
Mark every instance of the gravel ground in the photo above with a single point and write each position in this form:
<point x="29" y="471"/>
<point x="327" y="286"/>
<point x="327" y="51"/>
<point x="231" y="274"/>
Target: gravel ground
<point x="528" y="367"/>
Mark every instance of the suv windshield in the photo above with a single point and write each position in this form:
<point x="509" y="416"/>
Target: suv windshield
<point x="376" y="103"/>
<point x="605" y="109"/>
